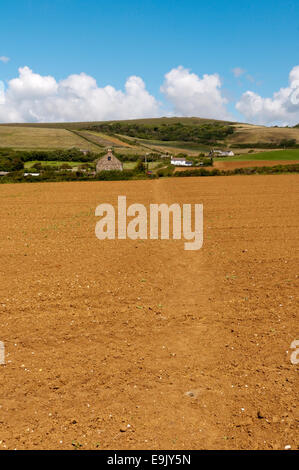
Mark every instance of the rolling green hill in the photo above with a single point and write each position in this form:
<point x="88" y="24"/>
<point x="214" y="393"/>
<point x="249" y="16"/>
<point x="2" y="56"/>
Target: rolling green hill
<point x="173" y="135"/>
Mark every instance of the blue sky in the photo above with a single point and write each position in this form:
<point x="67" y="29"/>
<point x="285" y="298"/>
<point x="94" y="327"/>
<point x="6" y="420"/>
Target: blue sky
<point x="148" y="38"/>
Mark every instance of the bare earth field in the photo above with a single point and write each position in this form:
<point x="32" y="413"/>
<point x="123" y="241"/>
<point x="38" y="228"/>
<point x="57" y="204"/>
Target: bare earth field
<point x="231" y="165"/>
<point x="223" y="165"/>
<point x="139" y="344"/>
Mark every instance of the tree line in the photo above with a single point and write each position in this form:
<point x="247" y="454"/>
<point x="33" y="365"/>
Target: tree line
<point x="13" y="160"/>
<point x="206" y="133"/>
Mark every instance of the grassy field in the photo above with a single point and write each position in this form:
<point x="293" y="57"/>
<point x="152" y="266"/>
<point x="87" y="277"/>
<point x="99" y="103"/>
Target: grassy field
<point x="29" y="138"/>
<point x="107" y="140"/>
<point x="249" y="133"/>
<point x="272" y="155"/>
<point x="175" y="144"/>
<point x="129" y="165"/>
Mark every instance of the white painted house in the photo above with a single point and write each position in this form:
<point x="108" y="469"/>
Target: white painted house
<point x="180" y="161"/>
<point x="221" y="153"/>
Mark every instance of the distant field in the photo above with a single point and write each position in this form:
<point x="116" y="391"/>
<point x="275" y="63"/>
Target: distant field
<point x="174" y="150"/>
<point x="129" y="165"/>
<point x="176" y="144"/>
<point x="248" y="133"/>
<point x="101" y="139"/>
<point x="108" y="139"/>
<point x="29" y="138"/>
<point x="272" y="155"/>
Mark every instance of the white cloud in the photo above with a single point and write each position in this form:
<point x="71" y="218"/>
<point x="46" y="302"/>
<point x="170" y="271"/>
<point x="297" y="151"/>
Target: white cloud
<point x="4" y="59"/>
<point x="282" y="108"/>
<point x="35" y="98"/>
<point x="191" y="95"/>
<point x="238" y="71"/>
<point x="31" y="97"/>
<point x="30" y="85"/>
<point x="2" y="96"/>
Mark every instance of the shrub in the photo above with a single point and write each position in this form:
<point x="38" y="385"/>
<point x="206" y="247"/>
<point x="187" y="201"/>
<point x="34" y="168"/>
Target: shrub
<point x="165" y="172"/>
<point x="65" y="166"/>
<point x="11" y="163"/>
<point x="72" y="155"/>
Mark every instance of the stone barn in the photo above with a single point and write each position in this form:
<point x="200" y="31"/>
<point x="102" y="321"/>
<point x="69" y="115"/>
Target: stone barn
<point x="109" y="162"/>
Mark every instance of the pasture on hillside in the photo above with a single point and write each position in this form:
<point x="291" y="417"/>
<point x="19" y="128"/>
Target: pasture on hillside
<point x="33" y="138"/>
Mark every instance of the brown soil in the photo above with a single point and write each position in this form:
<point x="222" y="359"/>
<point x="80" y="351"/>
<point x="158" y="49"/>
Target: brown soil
<point x="223" y="165"/>
<point x="140" y="344"/>
<point x="231" y="165"/>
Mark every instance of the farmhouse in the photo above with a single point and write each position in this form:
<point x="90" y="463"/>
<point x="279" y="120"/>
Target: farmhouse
<point x="109" y="162"/>
<point x="221" y="153"/>
<point x="180" y="161"/>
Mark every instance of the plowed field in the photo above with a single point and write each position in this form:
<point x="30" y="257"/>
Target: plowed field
<point x="123" y="344"/>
